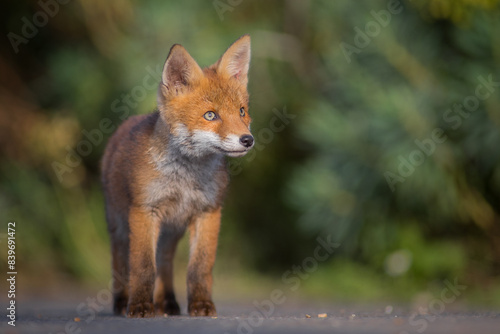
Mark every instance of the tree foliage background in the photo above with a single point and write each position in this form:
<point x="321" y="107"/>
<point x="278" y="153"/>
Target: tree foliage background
<point x="362" y="86"/>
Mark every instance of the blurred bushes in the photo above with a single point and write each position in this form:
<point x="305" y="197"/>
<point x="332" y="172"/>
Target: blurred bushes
<point x="324" y="173"/>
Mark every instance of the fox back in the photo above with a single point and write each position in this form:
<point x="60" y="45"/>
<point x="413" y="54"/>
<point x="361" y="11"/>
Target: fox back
<point x="164" y="172"/>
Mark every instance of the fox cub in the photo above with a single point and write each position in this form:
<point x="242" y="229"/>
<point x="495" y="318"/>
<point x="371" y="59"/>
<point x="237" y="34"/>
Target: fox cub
<point x="165" y="172"/>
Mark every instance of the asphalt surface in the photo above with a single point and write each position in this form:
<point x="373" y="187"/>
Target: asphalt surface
<point x="56" y="317"/>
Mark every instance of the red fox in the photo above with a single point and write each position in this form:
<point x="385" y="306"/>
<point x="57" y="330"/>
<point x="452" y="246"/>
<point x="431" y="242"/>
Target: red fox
<point x="165" y="172"/>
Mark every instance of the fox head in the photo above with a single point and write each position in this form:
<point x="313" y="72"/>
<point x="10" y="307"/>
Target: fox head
<point x="207" y="109"/>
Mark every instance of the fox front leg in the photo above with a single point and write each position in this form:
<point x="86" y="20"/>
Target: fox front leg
<point x="143" y="239"/>
<point x="204" y="232"/>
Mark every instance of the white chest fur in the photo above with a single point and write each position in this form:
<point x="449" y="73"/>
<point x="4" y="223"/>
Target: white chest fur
<point x="184" y="187"/>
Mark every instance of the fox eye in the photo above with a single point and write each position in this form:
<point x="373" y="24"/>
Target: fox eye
<point x="210" y="116"/>
<point x="242" y="111"/>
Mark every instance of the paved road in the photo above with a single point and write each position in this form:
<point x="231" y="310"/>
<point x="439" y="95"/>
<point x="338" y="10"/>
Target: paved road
<point x="66" y="317"/>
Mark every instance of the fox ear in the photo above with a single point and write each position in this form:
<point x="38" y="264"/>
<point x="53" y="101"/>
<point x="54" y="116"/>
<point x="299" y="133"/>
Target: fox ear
<point x="236" y="60"/>
<point x="180" y="70"/>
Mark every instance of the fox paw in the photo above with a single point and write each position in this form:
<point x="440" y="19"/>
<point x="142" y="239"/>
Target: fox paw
<point x="140" y="310"/>
<point x="202" y="309"/>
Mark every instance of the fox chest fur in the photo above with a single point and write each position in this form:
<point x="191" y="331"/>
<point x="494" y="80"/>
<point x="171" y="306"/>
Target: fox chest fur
<point x="183" y="188"/>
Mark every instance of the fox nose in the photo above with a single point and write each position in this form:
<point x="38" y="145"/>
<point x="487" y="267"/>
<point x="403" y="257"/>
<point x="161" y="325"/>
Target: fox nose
<point x="246" y="140"/>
